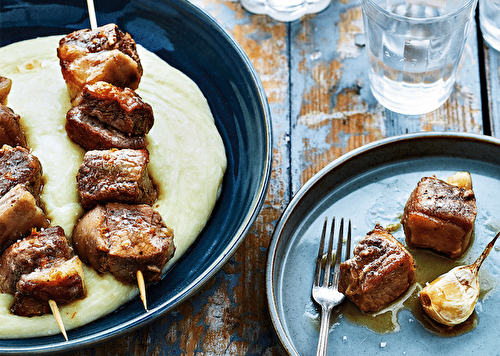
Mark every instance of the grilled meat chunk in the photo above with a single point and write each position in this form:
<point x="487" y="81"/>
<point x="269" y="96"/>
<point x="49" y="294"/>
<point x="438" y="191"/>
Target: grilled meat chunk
<point x="120" y="108"/>
<point x="379" y="272"/>
<point x="40" y="249"/>
<point x="104" y="54"/>
<point x="122" y="239"/>
<point x="92" y="134"/>
<point x="19" y="214"/>
<point x="38" y="268"/>
<point x="440" y="216"/>
<point x="115" y="176"/>
<point x="19" y="166"/>
<point x="63" y="283"/>
<point x="5" y="85"/>
<point x="11" y="132"/>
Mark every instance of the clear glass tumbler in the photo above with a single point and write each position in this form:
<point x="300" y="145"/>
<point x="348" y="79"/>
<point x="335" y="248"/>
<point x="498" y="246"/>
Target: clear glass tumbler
<point x="414" y="48"/>
<point x="489" y="21"/>
<point x="285" y="10"/>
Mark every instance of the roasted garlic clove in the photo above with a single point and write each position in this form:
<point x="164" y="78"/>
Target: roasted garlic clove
<point x="461" y="180"/>
<point x="450" y="298"/>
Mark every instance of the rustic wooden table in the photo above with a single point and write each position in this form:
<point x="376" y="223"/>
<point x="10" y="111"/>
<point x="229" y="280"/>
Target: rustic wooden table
<point x="314" y="71"/>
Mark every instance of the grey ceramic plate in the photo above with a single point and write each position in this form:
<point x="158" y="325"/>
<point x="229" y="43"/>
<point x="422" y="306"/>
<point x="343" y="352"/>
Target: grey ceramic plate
<point x="371" y="185"/>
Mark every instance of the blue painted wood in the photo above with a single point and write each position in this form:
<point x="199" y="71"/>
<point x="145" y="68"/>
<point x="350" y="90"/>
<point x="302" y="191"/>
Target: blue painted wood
<point x="492" y="58"/>
<point x="332" y="107"/>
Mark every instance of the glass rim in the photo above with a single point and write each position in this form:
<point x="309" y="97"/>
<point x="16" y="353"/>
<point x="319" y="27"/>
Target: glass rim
<point x="467" y="7"/>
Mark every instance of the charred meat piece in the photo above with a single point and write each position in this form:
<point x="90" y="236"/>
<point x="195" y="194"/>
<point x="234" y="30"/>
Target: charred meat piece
<point x="5" y="85"/>
<point x="38" y="268"/>
<point x="122" y="239"/>
<point x="40" y="249"/>
<point x="104" y="54"/>
<point x="11" y="132"/>
<point x="120" y="108"/>
<point x="63" y="282"/>
<point x="19" y="214"/>
<point x="19" y="166"/>
<point x="440" y="216"/>
<point x="380" y="271"/>
<point x="115" y="176"/>
<point x="92" y="134"/>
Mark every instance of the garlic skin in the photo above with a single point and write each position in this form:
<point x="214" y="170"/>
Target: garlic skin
<point x="450" y="298"/>
<point x="461" y="180"/>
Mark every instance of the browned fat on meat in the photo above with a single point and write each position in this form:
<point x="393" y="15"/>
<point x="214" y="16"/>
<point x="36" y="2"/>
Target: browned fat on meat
<point x="40" y="268"/>
<point x="92" y="134"/>
<point x="11" y="131"/>
<point x="5" y="86"/>
<point x="103" y="54"/>
<point x="440" y="216"/>
<point x="19" y="166"/>
<point x="122" y="239"/>
<point x="63" y="283"/>
<point x="115" y="176"/>
<point x="380" y="271"/>
<point x="120" y="108"/>
<point x="19" y="214"/>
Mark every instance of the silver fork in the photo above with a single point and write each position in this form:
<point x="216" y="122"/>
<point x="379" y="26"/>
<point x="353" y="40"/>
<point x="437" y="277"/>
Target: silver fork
<point x="326" y="293"/>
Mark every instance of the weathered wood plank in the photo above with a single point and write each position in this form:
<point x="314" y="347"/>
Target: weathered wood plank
<point x="333" y="109"/>
<point x="492" y="63"/>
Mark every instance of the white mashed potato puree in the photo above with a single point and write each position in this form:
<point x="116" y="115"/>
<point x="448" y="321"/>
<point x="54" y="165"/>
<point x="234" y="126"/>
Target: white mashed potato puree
<point x="187" y="162"/>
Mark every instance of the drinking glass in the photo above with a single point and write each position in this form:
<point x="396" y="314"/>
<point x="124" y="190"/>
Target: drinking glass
<point x="414" y="48"/>
<point x="285" y="10"/>
<point x="489" y="21"/>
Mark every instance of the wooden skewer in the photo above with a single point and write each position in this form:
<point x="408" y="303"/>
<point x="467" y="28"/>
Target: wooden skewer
<point x="142" y="288"/>
<point x="57" y="315"/>
<point x="93" y="20"/>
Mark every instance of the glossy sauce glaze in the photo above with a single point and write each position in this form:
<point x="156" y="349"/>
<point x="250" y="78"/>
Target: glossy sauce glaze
<point x="430" y="265"/>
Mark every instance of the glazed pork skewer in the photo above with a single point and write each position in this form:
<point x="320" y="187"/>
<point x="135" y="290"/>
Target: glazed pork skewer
<point x="113" y="59"/>
<point x="107" y="113"/>
<point x="118" y="176"/>
<point x="140" y="276"/>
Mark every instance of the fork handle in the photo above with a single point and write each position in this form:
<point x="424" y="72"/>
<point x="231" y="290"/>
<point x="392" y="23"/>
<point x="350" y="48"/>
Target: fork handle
<point x="323" y="332"/>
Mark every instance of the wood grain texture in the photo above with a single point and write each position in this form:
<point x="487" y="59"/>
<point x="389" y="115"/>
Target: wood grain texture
<point x="492" y="65"/>
<point x="332" y="108"/>
<point x="315" y="74"/>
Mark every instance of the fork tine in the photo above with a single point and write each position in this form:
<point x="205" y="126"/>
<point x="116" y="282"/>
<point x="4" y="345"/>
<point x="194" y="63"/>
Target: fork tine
<point x="329" y="256"/>
<point x="319" y="259"/>
<point x="348" y="247"/>
<point x="338" y="255"/>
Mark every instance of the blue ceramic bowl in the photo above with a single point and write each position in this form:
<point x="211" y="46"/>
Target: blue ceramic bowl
<point x="192" y="41"/>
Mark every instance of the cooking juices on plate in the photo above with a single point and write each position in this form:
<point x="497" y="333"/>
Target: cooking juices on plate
<point x="438" y="221"/>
